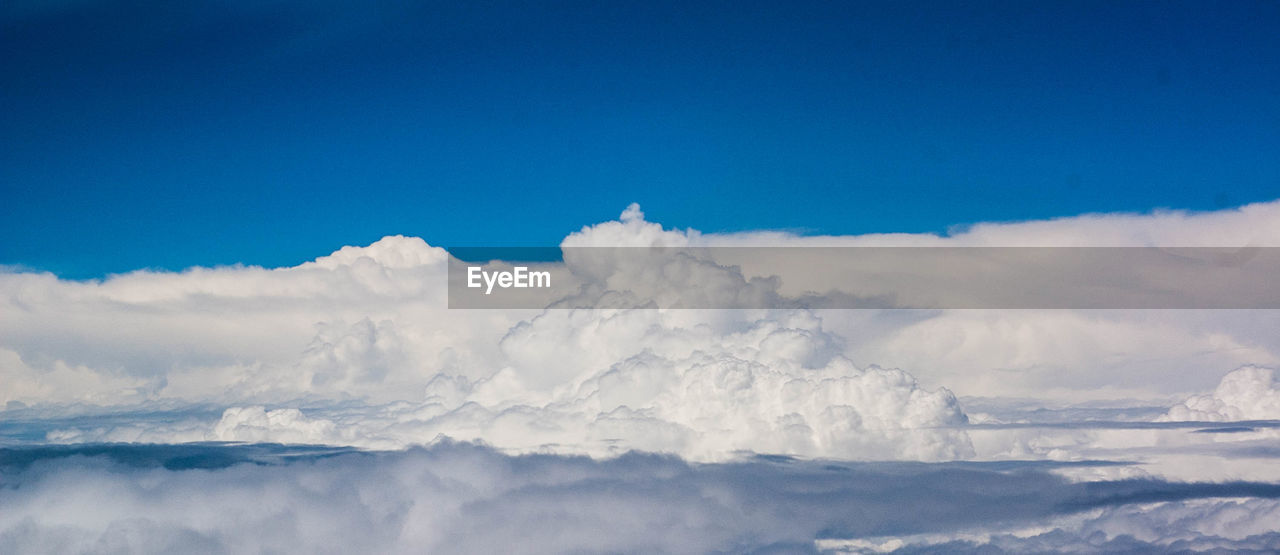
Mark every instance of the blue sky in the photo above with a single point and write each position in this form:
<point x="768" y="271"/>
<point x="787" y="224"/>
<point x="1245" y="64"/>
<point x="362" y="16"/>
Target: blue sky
<point x="169" y="135"/>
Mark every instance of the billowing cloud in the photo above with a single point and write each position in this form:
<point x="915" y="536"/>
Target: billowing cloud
<point x="366" y="326"/>
<point x="1247" y="393"/>
<point x="357" y="348"/>
<point x="357" y="351"/>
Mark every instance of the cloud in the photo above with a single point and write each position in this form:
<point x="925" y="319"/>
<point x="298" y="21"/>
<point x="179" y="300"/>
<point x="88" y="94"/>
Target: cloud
<point x="772" y="383"/>
<point x="1234" y="525"/>
<point x="366" y="326"/>
<point x="1256" y="225"/>
<point x="357" y="347"/>
<point x="1059" y="355"/>
<point x="466" y="498"/>
<point x="1246" y="393"/>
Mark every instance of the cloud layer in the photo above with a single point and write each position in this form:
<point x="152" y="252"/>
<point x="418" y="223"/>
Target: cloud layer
<point x="467" y="499"/>
<point x="1078" y="420"/>
<point x="356" y="348"/>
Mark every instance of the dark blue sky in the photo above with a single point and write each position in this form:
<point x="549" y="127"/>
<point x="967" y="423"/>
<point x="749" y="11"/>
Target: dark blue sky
<point x="166" y="134"/>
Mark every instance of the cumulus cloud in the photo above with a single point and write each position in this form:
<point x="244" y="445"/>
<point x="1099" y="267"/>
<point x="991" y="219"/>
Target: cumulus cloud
<point x="366" y="326"/>
<point x="1071" y="355"/>
<point x="773" y="383"/>
<point x="1246" y="393"/>
<point x="1062" y="356"/>
<point x="357" y="348"/>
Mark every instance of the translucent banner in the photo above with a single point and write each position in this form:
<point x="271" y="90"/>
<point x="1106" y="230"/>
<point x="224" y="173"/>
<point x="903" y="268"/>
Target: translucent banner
<point x="865" y="277"/>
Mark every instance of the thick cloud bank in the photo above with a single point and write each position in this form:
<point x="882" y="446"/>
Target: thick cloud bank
<point x="367" y="328"/>
<point x="458" y="498"/>
<point x="357" y="348"/>
<point x="1248" y="393"/>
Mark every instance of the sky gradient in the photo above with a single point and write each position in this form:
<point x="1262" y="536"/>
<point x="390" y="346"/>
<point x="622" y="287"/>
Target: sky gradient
<point x="160" y="135"/>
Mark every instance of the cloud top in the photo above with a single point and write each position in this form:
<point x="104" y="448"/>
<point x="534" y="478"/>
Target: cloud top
<point x="1246" y="393"/>
<point x="358" y="347"/>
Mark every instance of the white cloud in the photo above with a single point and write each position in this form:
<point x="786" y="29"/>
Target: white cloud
<point x="1214" y="526"/>
<point x="1255" y="225"/>
<point x="1246" y="393"/>
<point x="365" y="329"/>
<point x="465" y="498"/>
<point x="256" y="424"/>
<point x="1061" y="355"/>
